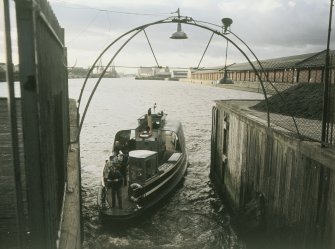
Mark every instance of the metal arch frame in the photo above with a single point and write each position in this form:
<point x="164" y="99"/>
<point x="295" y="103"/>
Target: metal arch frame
<point x="142" y="27"/>
<point x="180" y="19"/>
<point x="266" y="76"/>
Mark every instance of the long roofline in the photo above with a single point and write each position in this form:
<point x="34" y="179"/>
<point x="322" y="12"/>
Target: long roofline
<point x="316" y="59"/>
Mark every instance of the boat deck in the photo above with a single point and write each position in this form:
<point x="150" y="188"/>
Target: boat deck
<point x="127" y="205"/>
<point x="168" y="162"/>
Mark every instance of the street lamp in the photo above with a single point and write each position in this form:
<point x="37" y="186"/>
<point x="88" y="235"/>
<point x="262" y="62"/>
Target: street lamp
<point x="226" y="24"/>
<point x="179" y="34"/>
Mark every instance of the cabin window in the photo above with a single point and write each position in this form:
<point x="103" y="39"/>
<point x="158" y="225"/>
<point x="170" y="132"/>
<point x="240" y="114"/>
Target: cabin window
<point x="151" y="168"/>
<point x="136" y="171"/>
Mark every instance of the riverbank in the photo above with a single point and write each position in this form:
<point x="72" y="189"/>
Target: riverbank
<point x="237" y="86"/>
<point x="247" y="86"/>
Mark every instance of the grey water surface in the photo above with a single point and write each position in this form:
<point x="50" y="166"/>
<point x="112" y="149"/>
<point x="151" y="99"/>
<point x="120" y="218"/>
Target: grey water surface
<point x="194" y="215"/>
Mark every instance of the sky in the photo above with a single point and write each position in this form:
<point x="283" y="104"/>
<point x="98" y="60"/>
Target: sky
<point x="271" y="28"/>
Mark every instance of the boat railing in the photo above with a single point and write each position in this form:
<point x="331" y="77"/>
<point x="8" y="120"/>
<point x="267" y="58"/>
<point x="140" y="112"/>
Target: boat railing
<point x="158" y="119"/>
<point x="174" y="157"/>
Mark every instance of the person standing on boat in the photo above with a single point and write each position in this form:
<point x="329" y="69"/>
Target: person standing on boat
<point x="115" y="182"/>
<point x="149" y="120"/>
<point x="123" y="160"/>
<point x="118" y="147"/>
<point x="107" y="169"/>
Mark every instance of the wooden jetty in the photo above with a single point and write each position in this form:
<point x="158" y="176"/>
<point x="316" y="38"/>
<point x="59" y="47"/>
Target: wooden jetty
<point x="70" y="229"/>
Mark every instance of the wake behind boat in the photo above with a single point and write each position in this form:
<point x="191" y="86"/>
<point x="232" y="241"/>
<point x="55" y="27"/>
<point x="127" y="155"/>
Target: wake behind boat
<point x="147" y="164"/>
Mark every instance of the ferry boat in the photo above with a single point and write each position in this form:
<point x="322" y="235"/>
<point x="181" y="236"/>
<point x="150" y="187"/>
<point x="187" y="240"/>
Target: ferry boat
<point x="154" y="160"/>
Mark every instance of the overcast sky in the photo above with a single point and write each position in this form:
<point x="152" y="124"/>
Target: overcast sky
<point x="272" y="28"/>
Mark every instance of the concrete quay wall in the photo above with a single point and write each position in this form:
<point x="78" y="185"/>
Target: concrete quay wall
<point x="292" y="181"/>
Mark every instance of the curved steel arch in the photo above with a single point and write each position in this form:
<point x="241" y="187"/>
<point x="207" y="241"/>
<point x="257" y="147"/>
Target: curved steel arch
<point x="266" y="76"/>
<point x="108" y="47"/>
<point x="184" y="20"/>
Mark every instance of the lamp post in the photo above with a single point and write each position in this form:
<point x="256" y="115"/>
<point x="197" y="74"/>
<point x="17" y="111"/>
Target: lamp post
<point x="226" y="24"/>
<point x="179" y="34"/>
<point x="326" y="93"/>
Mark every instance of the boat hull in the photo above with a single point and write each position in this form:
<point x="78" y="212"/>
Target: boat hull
<point x="159" y="190"/>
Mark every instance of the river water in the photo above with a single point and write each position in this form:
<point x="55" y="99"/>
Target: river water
<point x="194" y="215"/>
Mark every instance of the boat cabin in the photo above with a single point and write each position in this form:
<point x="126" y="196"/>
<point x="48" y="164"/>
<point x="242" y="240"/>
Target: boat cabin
<point x="154" y="151"/>
<point x="153" y="121"/>
<point x="143" y="165"/>
<point x="152" y="133"/>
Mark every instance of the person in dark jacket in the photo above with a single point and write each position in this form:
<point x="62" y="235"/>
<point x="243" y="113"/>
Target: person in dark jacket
<point x="115" y="182"/>
<point x="118" y="147"/>
<point x="124" y="168"/>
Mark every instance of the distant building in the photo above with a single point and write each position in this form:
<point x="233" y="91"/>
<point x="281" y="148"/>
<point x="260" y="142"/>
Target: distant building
<point x="162" y="73"/>
<point x="3" y="72"/>
<point x="77" y="72"/>
<point x="145" y="72"/>
<point x="179" y="74"/>
<point x="112" y="73"/>
<point x="2" y="66"/>
<point x="305" y="68"/>
<point x="154" y="73"/>
<point x="210" y="73"/>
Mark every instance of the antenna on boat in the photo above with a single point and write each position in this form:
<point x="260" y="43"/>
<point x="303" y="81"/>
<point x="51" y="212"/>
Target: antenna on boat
<point x="155" y="105"/>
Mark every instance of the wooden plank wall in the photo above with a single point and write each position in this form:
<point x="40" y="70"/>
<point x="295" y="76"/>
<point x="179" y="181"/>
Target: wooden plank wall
<point x="8" y="214"/>
<point x="298" y="189"/>
<point x="44" y="96"/>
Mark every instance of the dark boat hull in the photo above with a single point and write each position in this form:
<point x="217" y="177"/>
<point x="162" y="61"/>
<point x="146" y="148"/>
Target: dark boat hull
<point x="163" y="187"/>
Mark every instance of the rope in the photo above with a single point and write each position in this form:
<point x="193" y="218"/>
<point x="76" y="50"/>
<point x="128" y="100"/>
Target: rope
<point x="205" y="49"/>
<point x="151" y="48"/>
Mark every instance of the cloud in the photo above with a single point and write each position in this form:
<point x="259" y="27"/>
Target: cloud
<point x="108" y="3"/>
<point x="259" y="6"/>
<point x="270" y="27"/>
<point x="292" y="4"/>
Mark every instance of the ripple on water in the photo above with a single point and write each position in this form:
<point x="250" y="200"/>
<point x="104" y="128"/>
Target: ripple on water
<point x="193" y="216"/>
